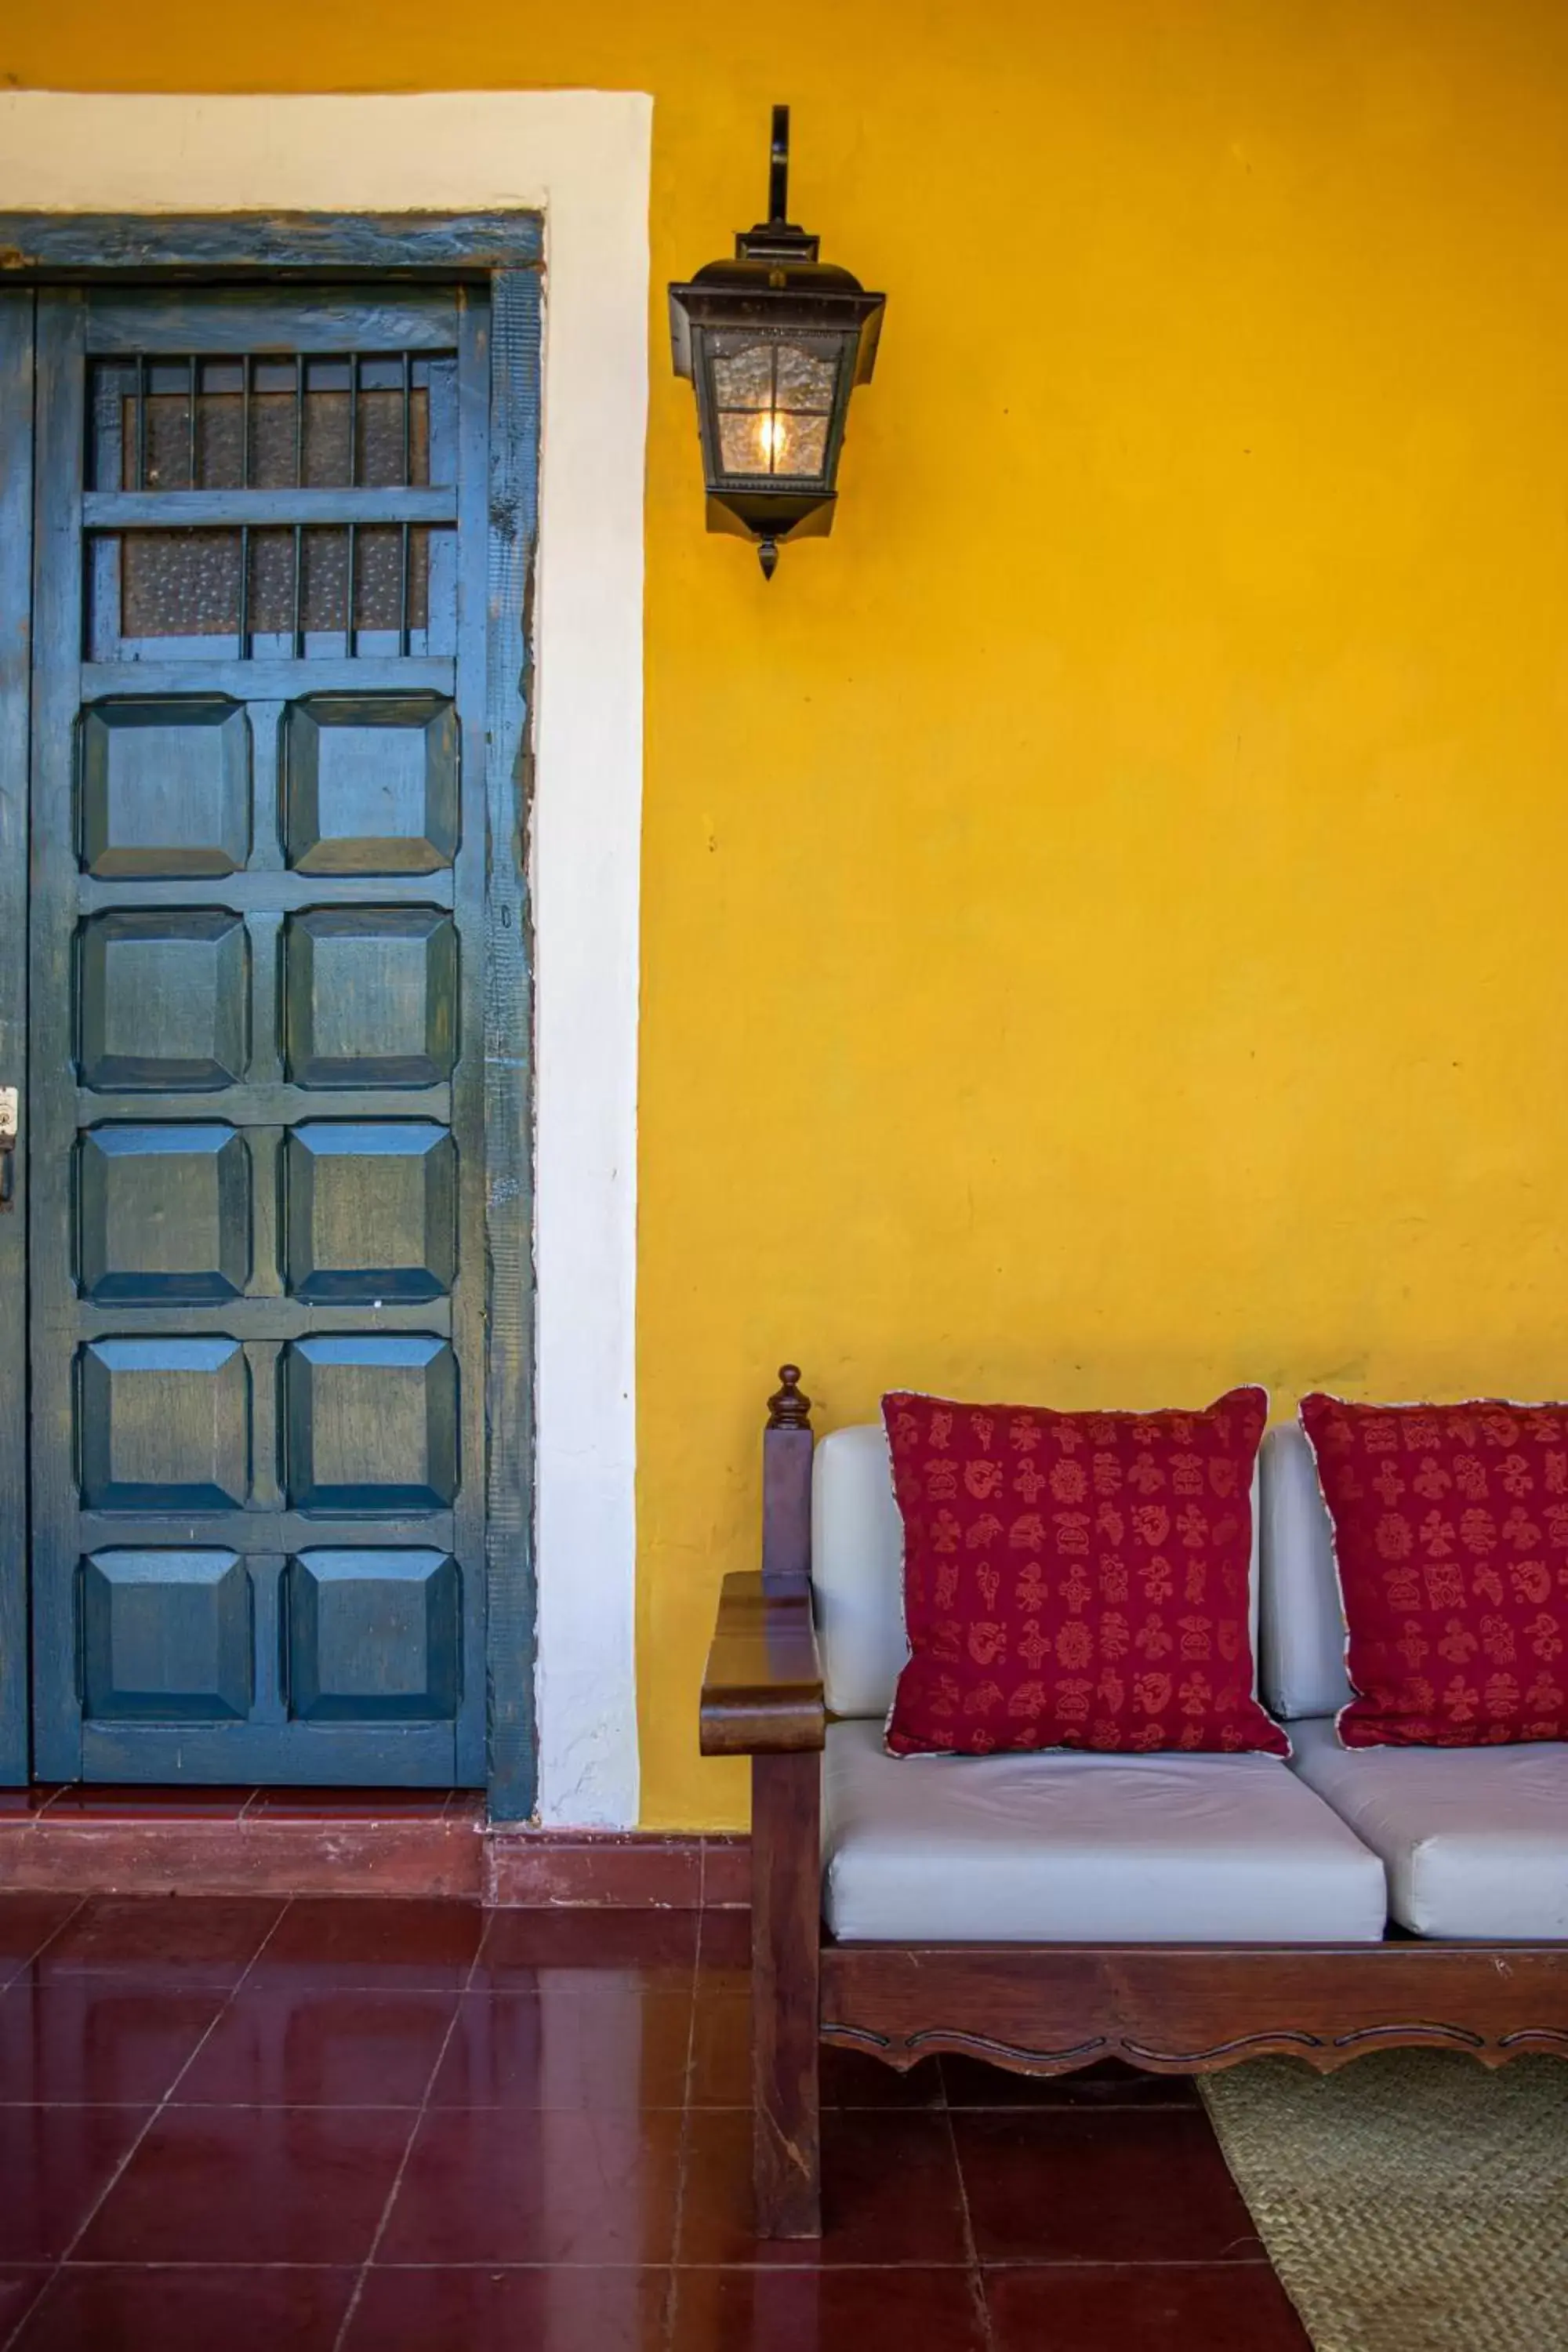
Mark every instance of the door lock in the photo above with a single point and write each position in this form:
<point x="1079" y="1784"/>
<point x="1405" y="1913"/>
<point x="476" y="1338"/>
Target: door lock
<point x="9" y="1115"/>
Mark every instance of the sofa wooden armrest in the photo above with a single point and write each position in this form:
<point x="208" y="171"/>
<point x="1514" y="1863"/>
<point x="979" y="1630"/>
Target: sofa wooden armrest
<point x="761" y="1695"/>
<point x="1037" y="2008"/>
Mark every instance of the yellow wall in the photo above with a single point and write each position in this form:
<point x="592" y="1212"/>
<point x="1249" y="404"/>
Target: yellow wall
<point x="1104" y="910"/>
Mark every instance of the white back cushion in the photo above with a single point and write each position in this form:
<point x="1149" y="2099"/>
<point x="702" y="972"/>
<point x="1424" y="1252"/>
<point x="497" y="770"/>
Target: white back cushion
<point x="1303" y="1645"/>
<point x="857" y="1571"/>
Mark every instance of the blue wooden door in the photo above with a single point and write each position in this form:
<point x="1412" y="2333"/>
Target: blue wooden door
<point x="256" y="1085"/>
<point x="16" y="600"/>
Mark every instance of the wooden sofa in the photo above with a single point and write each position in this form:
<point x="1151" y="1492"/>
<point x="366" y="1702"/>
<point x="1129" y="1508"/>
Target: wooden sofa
<point x="1178" y="2006"/>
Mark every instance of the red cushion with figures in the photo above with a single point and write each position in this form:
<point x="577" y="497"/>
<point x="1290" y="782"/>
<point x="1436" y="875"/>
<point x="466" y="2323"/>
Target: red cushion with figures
<point x="1075" y="1580"/>
<point x="1451" y="1539"/>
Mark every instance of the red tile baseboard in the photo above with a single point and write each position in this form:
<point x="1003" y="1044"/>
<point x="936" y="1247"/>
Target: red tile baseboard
<point x="88" y="1841"/>
<point x="630" y="1870"/>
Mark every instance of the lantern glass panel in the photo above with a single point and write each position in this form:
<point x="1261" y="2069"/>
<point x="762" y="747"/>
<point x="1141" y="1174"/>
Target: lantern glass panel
<point x="742" y="372"/>
<point x="806" y="377"/>
<point x="771" y="443"/>
<point x="772" y="403"/>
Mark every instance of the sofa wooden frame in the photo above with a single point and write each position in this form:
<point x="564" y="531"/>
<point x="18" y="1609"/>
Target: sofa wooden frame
<point x="1035" y="2009"/>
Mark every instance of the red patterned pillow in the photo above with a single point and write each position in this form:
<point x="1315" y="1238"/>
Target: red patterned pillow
<point x="1451" y="1536"/>
<point x="1075" y="1580"/>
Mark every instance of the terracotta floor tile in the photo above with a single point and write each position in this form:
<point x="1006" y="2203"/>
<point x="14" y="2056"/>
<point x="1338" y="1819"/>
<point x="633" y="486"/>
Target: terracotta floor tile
<point x="183" y="1940"/>
<point x="90" y="2040"/>
<point x="55" y="2163"/>
<point x="721" y="2067"/>
<point x="890" y="2192"/>
<point x="512" y="2185"/>
<point x="538" y="2201"/>
<point x="313" y="2047"/>
<point x="388" y="1943"/>
<point x="252" y="2185"/>
<point x="724" y="1955"/>
<point x="1125" y="2185"/>
<point x="20" y="2284"/>
<point x="971" y="2083"/>
<point x="584" y="1950"/>
<point x="829" y="2310"/>
<point x="554" y="2049"/>
<point x="580" y="2308"/>
<point x="189" y="2310"/>
<point x="1216" y="2307"/>
<point x="852" y="2078"/>
<point x="27" y="1923"/>
<point x="721" y="2051"/>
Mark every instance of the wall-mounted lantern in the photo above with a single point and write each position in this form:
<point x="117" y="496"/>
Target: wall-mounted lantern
<point x="773" y="342"/>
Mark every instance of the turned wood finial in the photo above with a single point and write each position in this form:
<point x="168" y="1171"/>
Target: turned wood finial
<point x="789" y="1408"/>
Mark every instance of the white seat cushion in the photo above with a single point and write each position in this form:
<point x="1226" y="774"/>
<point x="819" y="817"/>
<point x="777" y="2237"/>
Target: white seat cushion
<point x="1086" y="1849"/>
<point x="1302" y="1653"/>
<point x="857" y="1570"/>
<point x="1475" y="1839"/>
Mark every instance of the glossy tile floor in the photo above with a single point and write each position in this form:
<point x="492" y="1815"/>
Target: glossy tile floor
<point x="380" y="2125"/>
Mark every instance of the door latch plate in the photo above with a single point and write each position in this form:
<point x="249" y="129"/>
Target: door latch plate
<point x="10" y="1111"/>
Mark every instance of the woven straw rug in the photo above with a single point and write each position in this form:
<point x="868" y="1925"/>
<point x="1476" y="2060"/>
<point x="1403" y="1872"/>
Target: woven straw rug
<point x="1412" y="2202"/>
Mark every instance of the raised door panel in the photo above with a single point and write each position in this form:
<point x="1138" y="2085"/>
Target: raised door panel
<point x="163" y="1425"/>
<point x="165" y="786"/>
<point x="166" y="1636"/>
<point x="164" y="1001"/>
<point x="371" y="784"/>
<point x="372" y="1211"/>
<point x="370" y="996"/>
<point x="374" y="1636"/>
<point x="371" y="1424"/>
<point x="164" y="1213"/>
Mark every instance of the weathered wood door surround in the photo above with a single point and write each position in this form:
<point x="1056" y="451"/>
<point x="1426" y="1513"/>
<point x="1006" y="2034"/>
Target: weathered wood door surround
<point x="263" y="1131"/>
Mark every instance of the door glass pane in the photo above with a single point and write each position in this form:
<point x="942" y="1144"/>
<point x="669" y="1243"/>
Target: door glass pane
<point x="189" y="424"/>
<point x="272" y="582"/>
<point x="179" y="584"/>
<point x="382" y="456"/>
<point x="168" y="440"/>
<point x="160" y="585"/>
<point x="324" y="579"/>
<point x="378" y="577"/>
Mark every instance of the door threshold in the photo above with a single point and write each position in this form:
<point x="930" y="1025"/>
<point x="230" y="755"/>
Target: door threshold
<point x="86" y="1839"/>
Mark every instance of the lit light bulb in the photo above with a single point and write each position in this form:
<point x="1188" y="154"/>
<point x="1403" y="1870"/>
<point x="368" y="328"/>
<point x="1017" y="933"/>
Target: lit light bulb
<point x="774" y="437"/>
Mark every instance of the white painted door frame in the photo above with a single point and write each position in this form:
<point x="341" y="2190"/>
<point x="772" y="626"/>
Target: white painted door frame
<point x="581" y="158"/>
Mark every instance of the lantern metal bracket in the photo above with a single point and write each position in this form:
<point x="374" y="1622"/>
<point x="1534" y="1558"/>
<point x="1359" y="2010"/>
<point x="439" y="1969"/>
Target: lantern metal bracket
<point x="778" y="238"/>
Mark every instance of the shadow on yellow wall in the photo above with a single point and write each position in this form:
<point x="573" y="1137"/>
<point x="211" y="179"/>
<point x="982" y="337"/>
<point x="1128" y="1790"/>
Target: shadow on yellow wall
<point x="1103" y="909"/>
